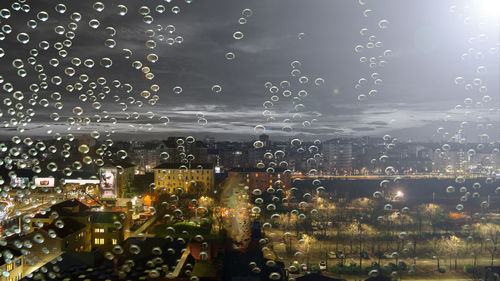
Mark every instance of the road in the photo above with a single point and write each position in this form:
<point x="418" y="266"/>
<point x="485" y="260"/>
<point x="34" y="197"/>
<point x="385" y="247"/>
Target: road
<point x="380" y="177"/>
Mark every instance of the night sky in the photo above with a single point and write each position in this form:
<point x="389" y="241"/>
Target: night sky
<point x="418" y="52"/>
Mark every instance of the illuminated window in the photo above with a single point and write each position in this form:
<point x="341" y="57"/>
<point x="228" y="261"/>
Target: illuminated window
<point x="99" y="241"/>
<point x="114" y="241"/>
<point x="99" y="230"/>
<point x="9" y="267"/>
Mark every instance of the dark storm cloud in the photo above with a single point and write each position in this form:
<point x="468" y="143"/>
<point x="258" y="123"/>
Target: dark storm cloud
<point x="380" y="123"/>
<point x="416" y="93"/>
<point x="363" y="129"/>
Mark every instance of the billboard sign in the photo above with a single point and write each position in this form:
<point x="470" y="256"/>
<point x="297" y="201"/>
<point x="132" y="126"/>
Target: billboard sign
<point x="107" y="185"/>
<point x="19" y="181"/>
<point x="44" y="182"/>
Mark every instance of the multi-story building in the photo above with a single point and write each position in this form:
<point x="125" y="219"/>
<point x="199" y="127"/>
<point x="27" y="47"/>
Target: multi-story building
<point x="83" y="229"/>
<point x="125" y="178"/>
<point x="108" y="229"/>
<point x="257" y="178"/>
<point x="68" y="208"/>
<point x="180" y="149"/>
<point x="234" y="154"/>
<point x="338" y="156"/>
<point x="73" y="236"/>
<point x="12" y="267"/>
<point x="192" y="177"/>
<point x="145" y="155"/>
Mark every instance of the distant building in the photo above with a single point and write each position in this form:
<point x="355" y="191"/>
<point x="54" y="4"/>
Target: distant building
<point x="338" y="155"/>
<point x="146" y="155"/>
<point x="195" y="178"/>
<point x="124" y="178"/>
<point x="264" y="139"/>
<point x="181" y="149"/>
<point x="261" y="179"/>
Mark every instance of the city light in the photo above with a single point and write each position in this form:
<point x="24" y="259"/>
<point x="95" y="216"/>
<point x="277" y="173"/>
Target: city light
<point x="200" y="140"/>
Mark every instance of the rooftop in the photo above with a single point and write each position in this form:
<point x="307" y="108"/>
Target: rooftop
<point x="70" y="226"/>
<point x="104" y="217"/>
<point x="189" y="166"/>
<point x="14" y="252"/>
<point x="255" y="170"/>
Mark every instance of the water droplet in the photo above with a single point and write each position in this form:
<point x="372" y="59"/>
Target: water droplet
<point x="247" y="12"/>
<point x="98" y="6"/>
<point x="94" y="23"/>
<point x="216" y="89"/>
<point x="23" y="38"/>
<point x="177" y="89"/>
<point x="42" y="16"/>
<point x="122" y="10"/>
<point x="383" y="24"/>
<point x="176" y="9"/>
<point x="238" y="35"/>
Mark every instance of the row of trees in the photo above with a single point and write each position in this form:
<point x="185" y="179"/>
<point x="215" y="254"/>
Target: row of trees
<point x="359" y="227"/>
<point x="454" y="246"/>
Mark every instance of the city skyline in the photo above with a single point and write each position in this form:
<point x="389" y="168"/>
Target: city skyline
<point x="223" y="140"/>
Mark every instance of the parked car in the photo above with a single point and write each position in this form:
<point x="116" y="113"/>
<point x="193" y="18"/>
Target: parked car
<point x="365" y="255"/>
<point x="303" y="267"/>
<point x="295" y="268"/>
<point x="322" y="265"/>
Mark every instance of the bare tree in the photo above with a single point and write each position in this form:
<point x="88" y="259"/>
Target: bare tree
<point x="492" y="232"/>
<point x="432" y="211"/>
<point x="305" y="245"/>
<point x="453" y="247"/>
<point x="438" y="248"/>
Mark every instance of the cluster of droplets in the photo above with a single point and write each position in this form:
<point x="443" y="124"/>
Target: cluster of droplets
<point x="284" y="110"/>
<point x="476" y="115"/>
<point x="76" y="96"/>
<point x="72" y="89"/>
<point x="478" y="111"/>
<point x="373" y="55"/>
<point x="287" y="96"/>
<point x="238" y="34"/>
<point x="459" y="151"/>
<point x="385" y="199"/>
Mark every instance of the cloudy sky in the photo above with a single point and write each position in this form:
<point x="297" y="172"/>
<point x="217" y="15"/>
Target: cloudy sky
<point x="400" y="80"/>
